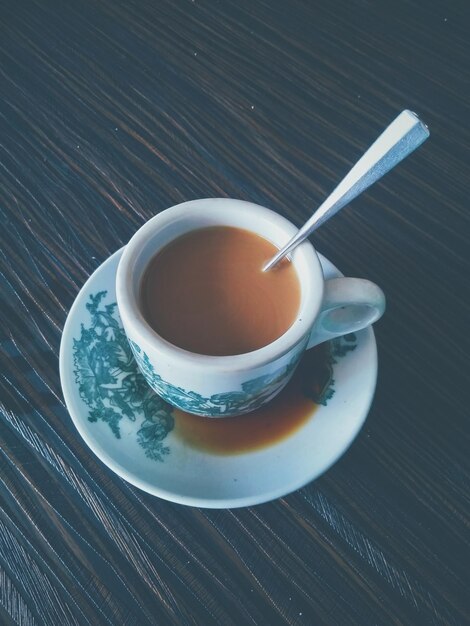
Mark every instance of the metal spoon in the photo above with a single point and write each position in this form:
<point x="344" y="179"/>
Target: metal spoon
<point x="398" y="140"/>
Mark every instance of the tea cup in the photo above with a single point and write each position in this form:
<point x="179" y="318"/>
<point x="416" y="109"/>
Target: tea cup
<point x="223" y="386"/>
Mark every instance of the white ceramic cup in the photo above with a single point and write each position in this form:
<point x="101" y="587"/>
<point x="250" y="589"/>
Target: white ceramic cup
<point x="220" y="386"/>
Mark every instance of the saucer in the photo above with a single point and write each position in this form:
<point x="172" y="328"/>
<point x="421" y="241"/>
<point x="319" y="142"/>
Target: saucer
<point x="140" y="437"/>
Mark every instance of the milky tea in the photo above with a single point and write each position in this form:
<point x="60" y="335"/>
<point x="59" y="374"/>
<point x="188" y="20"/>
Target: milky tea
<point x="206" y="292"/>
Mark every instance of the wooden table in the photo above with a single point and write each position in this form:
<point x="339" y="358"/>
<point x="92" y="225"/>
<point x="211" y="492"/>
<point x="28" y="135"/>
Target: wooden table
<point x="111" y="111"/>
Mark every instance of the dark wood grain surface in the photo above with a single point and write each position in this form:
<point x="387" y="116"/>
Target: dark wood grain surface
<point x="113" y="110"/>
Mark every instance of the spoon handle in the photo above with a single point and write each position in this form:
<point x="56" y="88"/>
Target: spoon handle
<point x="397" y="141"/>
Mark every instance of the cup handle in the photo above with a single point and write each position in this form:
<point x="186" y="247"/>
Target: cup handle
<point x="349" y="305"/>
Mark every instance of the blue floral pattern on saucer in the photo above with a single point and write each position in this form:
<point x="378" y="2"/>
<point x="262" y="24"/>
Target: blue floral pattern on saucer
<point x="111" y="384"/>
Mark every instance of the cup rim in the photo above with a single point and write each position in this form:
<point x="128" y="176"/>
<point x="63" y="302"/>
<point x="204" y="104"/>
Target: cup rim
<point x="304" y="255"/>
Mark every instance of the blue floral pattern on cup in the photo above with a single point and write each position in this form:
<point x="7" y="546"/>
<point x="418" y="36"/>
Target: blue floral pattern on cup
<point x="253" y="393"/>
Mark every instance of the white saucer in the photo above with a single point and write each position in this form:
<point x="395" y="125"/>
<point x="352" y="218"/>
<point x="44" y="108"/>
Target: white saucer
<point x="143" y="448"/>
